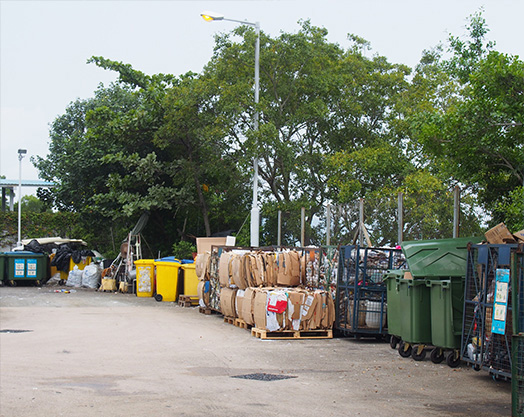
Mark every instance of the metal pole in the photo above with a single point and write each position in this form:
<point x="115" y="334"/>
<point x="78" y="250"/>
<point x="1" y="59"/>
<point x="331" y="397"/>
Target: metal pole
<point x="21" y="153"/>
<point x="400" y="217"/>
<point x="302" y="226"/>
<point x="361" y="223"/>
<point x="279" y="231"/>
<point x="456" y="211"/>
<point x="255" y="212"/>
<point x="328" y="225"/>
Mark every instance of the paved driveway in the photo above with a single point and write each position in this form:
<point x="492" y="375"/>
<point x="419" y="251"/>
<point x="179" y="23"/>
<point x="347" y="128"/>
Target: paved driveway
<point x="103" y="354"/>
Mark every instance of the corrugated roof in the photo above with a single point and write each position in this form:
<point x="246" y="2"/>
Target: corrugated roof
<point x="25" y="183"/>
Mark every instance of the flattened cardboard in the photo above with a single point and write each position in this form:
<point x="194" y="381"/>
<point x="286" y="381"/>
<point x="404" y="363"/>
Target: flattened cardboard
<point x="519" y="236"/>
<point x="499" y="235"/>
<point x="407" y="275"/>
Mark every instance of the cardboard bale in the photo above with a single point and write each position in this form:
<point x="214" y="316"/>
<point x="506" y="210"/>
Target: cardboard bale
<point x="239" y="301"/>
<point x="202" y="266"/>
<point x="223" y="269"/>
<point x="271" y="269"/>
<point x="247" y="306"/>
<point x="499" y="235"/>
<point x="204" y="244"/>
<point x="259" y="308"/>
<point x="294" y="311"/>
<point x="288" y="269"/>
<point x="203" y="293"/>
<point x="237" y="271"/>
<point x="228" y="301"/>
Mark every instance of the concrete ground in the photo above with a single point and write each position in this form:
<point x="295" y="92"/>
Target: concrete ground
<point x="103" y="354"/>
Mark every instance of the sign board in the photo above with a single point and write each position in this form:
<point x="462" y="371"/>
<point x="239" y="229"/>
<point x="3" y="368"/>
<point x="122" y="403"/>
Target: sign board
<point x="500" y="304"/>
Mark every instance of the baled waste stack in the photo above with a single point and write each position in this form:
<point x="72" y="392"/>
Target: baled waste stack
<point x="265" y="289"/>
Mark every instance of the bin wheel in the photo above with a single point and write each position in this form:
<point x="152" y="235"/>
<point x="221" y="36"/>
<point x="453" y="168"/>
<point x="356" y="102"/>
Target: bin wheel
<point x="38" y="283"/>
<point x="418" y="353"/>
<point x="158" y="297"/>
<point x="477" y="367"/>
<point x="437" y="355"/>
<point x="404" y="349"/>
<point x="453" y="359"/>
<point x="12" y="283"/>
<point x="393" y="342"/>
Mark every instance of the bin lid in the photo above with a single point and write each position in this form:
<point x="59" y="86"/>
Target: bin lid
<point x="438" y="257"/>
<point x="25" y="253"/>
<point x="188" y="266"/>
<point x="168" y="259"/>
<point x="144" y="261"/>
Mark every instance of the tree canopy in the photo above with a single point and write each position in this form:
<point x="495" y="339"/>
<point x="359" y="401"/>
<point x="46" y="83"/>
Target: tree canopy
<point x="336" y="125"/>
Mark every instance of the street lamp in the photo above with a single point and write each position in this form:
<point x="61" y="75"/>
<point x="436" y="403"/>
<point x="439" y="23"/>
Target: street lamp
<point x="255" y="212"/>
<point x="21" y="154"/>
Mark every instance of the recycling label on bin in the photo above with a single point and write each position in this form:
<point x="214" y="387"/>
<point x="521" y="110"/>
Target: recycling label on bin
<point x="31" y="268"/>
<point x="19" y="268"/>
<point x="500" y="304"/>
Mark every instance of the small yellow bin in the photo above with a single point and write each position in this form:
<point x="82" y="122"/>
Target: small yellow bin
<point x="145" y="277"/>
<point x="166" y="280"/>
<point x="190" y="279"/>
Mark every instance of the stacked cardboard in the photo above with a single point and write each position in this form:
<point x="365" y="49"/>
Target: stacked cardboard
<point x="265" y="289"/>
<point x="278" y="309"/>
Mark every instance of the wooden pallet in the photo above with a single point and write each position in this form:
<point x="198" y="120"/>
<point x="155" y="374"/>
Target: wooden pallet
<point x="242" y="324"/>
<point x="230" y="320"/>
<point x="207" y="311"/>
<point x="292" y="334"/>
<point x="188" y="300"/>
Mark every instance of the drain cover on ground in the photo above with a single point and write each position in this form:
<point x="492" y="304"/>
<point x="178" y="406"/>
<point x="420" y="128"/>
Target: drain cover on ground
<point x="264" y="377"/>
<point x="14" y="331"/>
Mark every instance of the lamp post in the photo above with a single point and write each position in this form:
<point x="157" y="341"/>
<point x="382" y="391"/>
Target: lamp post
<point x="255" y="212"/>
<point x="21" y="154"/>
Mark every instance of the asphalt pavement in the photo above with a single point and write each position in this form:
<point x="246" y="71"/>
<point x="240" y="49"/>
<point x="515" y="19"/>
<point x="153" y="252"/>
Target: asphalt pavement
<point x="88" y="353"/>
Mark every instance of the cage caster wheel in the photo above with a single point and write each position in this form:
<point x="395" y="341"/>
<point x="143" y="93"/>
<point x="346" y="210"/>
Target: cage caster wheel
<point x="453" y="359"/>
<point x="404" y="349"/>
<point x="437" y="355"/>
<point x="418" y="353"/>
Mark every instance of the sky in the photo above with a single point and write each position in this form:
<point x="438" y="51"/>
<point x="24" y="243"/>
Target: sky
<point x="44" y="46"/>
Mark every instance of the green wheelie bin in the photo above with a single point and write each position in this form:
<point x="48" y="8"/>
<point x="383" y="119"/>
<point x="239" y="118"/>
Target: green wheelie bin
<point x="447" y="304"/>
<point x="26" y="266"/>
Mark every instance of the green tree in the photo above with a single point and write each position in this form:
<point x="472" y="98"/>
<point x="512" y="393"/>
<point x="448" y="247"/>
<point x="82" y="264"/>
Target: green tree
<point x="475" y="134"/>
<point x="315" y="99"/>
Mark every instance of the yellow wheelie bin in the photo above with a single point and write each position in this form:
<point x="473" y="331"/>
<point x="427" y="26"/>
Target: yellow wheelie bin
<point x="190" y="279"/>
<point x="167" y="279"/>
<point x="145" y="277"/>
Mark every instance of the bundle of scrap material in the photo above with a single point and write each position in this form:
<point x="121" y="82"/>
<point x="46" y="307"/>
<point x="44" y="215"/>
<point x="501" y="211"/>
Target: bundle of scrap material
<point x="265" y="289"/>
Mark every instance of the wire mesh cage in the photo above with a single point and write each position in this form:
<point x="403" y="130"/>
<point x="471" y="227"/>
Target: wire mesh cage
<point x="517" y="381"/>
<point x="481" y="346"/>
<point x="361" y="291"/>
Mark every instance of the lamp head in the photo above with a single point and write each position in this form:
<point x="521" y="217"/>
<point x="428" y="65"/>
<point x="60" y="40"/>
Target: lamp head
<point x="22" y="151"/>
<point x="210" y="16"/>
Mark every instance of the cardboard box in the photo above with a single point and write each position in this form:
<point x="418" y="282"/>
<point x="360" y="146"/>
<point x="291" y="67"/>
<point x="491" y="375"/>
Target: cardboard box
<point x="407" y="275"/>
<point x="499" y="235"/>
<point x="204" y="243"/>
<point x="519" y="236"/>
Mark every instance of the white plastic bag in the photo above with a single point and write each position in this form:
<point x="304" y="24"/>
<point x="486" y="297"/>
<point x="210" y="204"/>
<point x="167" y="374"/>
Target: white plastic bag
<point x="74" y="279"/>
<point x="91" y="276"/>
